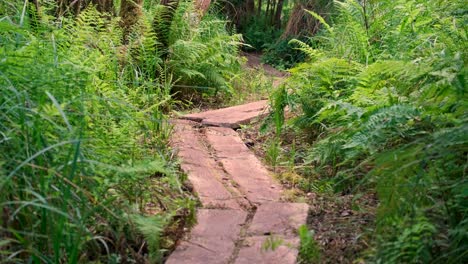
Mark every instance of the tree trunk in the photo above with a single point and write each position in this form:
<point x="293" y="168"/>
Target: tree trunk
<point x="130" y="12"/>
<point x="250" y="7"/>
<point x="364" y="14"/>
<point x="202" y="7"/>
<point x="75" y="6"/>
<point x="302" y="23"/>
<point x="267" y="9"/>
<point x="66" y="6"/>
<point x="259" y="8"/>
<point x="279" y="10"/>
<point x="272" y="11"/>
<point x="105" y="6"/>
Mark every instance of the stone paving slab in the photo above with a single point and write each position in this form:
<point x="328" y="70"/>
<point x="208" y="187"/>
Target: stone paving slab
<point x="204" y="174"/>
<point x="252" y="180"/>
<point x="223" y="171"/>
<point x="212" y="240"/>
<point x="228" y="143"/>
<point x="231" y="117"/>
<point x="278" y="219"/>
<point x="254" y="251"/>
<point x="243" y="166"/>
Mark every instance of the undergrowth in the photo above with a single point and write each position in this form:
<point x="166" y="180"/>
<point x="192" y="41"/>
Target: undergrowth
<point x="262" y="36"/>
<point x="86" y="174"/>
<point x="282" y="55"/>
<point x="203" y="58"/>
<point x="382" y="101"/>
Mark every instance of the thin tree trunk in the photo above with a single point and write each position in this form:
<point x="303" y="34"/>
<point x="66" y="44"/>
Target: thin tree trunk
<point x="76" y="6"/>
<point x="279" y="10"/>
<point x="302" y="23"/>
<point x="364" y="14"/>
<point x="272" y="11"/>
<point x="250" y="7"/>
<point x="202" y="7"/>
<point x="105" y="6"/>
<point x="267" y="9"/>
<point x="259" y="8"/>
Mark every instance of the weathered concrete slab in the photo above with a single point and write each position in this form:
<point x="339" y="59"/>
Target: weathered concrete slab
<point x="231" y="117"/>
<point x="278" y="219"/>
<point x="255" y="250"/>
<point x="222" y="170"/>
<point x="228" y="143"/>
<point x="203" y="172"/>
<point x="252" y="180"/>
<point x="243" y="166"/>
<point x="212" y="240"/>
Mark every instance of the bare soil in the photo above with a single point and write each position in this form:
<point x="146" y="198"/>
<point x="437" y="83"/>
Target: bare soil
<point x="254" y="61"/>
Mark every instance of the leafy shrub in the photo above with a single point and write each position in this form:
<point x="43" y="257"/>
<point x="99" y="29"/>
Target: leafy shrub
<point x="204" y="55"/>
<point x="282" y="55"/>
<point x="259" y="33"/>
<point x="84" y="134"/>
<point x="383" y="98"/>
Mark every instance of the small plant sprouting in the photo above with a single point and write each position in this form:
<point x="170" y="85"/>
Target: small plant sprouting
<point x="309" y="251"/>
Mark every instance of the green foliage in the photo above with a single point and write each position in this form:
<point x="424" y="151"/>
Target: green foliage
<point x="282" y="55"/>
<point x="261" y="36"/>
<point x="383" y="100"/>
<point x="272" y="243"/>
<point x="151" y="228"/>
<point x="203" y="54"/>
<point x="414" y="243"/>
<point x="309" y="251"/>
<point x="259" y="33"/>
<point x="272" y="152"/>
<point x="248" y="85"/>
<point x="84" y="135"/>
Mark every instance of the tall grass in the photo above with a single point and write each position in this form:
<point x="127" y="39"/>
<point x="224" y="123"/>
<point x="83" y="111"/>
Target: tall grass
<point x="84" y="133"/>
<point x="383" y="97"/>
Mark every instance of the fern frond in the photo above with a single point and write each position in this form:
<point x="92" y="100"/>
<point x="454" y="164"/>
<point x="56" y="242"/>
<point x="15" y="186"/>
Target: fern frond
<point x="321" y="19"/>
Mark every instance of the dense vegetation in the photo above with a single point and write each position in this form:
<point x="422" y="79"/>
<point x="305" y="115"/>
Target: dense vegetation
<point x="85" y="170"/>
<point x="382" y="103"/>
<point x="378" y="106"/>
<point x="269" y="25"/>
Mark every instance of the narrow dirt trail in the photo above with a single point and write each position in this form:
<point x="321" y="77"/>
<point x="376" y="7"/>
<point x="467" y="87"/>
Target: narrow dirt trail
<point x="254" y="61"/>
<point x="242" y="206"/>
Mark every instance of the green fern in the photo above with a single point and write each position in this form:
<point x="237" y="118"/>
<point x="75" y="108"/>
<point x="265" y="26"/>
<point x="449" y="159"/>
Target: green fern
<point x="151" y="227"/>
<point x="82" y="142"/>
<point x="383" y="102"/>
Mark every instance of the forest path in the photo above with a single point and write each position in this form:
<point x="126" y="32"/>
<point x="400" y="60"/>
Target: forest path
<point x="254" y="61"/>
<point x="242" y="210"/>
